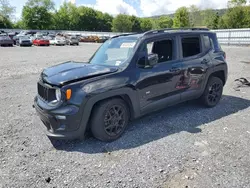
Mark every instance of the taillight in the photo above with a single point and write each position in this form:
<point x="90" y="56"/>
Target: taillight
<point x="225" y="56"/>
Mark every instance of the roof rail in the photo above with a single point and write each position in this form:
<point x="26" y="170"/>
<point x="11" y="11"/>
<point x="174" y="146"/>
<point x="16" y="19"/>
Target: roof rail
<point x="122" y="35"/>
<point x="173" y="29"/>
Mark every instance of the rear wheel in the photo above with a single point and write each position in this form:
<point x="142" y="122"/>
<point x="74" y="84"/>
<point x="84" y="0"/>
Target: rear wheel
<point x="213" y="92"/>
<point x="109" y="119"/>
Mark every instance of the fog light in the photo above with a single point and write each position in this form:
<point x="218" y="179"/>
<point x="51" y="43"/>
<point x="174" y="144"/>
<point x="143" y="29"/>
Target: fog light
<point x="61" y="117"/>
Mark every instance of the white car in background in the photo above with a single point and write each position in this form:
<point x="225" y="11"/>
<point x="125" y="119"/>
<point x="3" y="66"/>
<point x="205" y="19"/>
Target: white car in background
<point x="38" y="35"/>
<point x="57" y="41"/>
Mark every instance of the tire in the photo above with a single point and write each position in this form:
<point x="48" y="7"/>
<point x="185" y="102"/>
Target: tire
<point x="213" y="92"/>
<point x="117" y="111"/>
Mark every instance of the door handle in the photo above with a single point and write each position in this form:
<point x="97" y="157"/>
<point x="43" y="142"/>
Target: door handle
<point x="205" y="61"/>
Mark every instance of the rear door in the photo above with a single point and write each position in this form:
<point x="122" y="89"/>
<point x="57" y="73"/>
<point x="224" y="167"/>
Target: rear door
<point x="196" y="64"/>
<point x="156" y="85"/>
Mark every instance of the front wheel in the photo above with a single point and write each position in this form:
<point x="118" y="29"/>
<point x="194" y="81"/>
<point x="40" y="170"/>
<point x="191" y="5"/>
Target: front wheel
<point x="213" y="92"/>
<point x="109" y="119"/>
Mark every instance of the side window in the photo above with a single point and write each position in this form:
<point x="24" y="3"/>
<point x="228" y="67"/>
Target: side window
<point x="190" y="46"/>
<point x="207" y="42"/>
<point x="150" y="47"/>
<point x="163" y="48"/>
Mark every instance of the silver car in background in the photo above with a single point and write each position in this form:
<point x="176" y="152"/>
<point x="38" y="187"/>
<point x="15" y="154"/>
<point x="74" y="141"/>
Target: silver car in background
<point x="24" y="41"/>
<point x="72" y="40"/>
<point x="5" y="40"/>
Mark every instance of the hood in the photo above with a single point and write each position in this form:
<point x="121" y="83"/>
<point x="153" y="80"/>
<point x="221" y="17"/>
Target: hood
<point x="43" y="39"/>
<point x="72" y="71"/>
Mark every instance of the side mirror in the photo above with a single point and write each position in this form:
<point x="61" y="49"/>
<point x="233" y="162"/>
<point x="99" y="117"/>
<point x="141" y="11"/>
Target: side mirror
<point x="153" y="59"/>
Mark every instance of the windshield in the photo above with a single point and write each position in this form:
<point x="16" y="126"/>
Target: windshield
<point x="115" y="52"/>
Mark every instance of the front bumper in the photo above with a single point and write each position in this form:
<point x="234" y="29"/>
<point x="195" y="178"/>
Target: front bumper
<point x="61" y="123"/>
<point x="73" y="42"/>
<point x="60" y="42"/>
<point x="44" y="43"/>
<point x="26" y="43"/>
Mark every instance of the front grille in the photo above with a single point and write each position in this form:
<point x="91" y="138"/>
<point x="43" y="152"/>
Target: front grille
<point x="46" y="93"/>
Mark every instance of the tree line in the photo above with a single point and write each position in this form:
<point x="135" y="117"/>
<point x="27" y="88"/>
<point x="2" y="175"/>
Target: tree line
<point x="42" y="15"/>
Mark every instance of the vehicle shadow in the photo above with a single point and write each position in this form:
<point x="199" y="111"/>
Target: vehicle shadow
<point x="183" y="117"/>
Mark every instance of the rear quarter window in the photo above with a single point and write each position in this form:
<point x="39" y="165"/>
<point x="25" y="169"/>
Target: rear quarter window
<point x="207" y="42"/>
<point x="214" y="42"/>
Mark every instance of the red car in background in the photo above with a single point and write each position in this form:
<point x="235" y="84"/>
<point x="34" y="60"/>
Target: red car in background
<point x="41" y="42"/>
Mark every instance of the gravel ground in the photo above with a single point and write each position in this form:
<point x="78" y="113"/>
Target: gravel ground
<point x="182" y="146"/>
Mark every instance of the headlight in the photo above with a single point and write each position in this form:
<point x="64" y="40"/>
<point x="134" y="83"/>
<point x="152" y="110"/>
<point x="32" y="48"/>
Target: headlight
<point x="58" y="95"/>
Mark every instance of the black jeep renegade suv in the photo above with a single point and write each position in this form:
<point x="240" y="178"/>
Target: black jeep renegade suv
<point x="130" y="76"/>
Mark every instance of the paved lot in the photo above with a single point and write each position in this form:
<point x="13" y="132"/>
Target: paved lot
<point x="182" y="146"/>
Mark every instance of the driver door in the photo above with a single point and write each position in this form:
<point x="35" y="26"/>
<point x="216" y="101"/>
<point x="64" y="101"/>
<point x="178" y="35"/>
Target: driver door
<point x="157" y="85"/>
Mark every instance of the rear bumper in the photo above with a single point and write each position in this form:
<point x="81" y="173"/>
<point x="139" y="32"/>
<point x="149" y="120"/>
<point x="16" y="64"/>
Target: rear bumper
<point x="62" y="123"/>
<point x="6" y="42"/>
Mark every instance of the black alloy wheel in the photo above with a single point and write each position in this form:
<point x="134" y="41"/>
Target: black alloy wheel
<point x="109" y="119"/>
<point x="114" y="120"/>
<point x="213" y="92"/>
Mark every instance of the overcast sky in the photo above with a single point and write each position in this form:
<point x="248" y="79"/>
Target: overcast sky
<point x="140" y="8"/>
